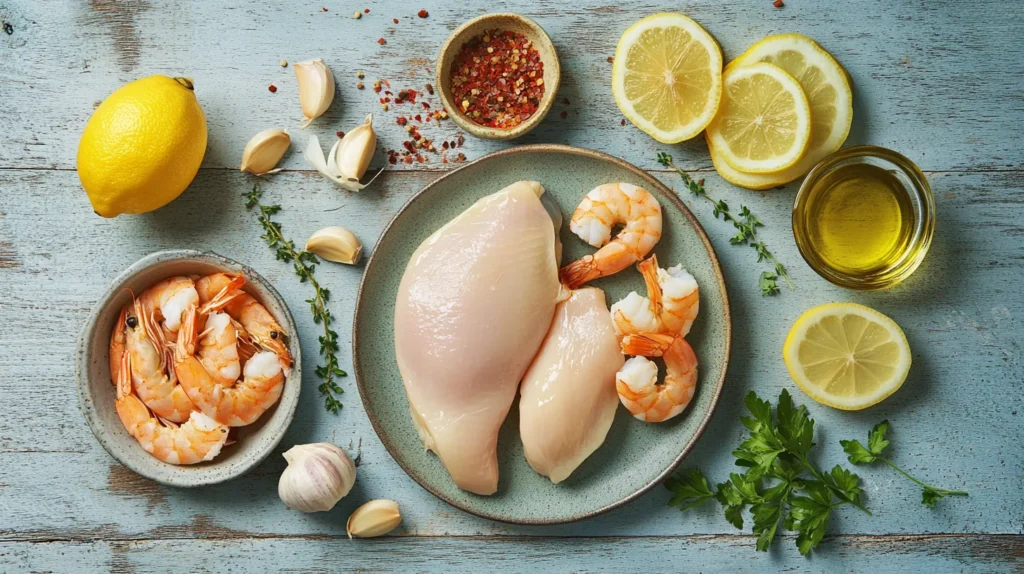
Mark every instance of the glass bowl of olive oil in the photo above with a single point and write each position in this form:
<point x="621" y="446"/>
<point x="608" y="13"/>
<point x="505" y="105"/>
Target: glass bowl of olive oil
<point x="864" y="218"/>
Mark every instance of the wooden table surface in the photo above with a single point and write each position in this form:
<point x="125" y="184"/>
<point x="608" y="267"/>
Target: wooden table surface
<point x="941" y="81"/>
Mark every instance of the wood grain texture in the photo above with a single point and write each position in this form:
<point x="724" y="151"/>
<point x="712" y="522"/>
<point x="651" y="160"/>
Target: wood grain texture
<point x="939" y="81"/>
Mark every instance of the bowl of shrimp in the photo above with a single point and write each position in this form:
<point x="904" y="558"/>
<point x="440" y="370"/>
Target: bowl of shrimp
<point x="189" y="368"/>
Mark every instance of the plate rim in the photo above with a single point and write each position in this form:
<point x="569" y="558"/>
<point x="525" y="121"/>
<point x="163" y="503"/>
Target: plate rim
<point x="648" y="179"/>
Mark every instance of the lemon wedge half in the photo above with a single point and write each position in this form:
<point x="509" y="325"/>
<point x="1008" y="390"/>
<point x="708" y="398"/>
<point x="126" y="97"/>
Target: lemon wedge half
<point x="667" y="76"/>
<point x="847" y="356"/>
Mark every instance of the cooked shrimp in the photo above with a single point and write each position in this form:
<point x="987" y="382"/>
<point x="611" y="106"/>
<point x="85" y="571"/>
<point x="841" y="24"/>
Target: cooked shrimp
<point x="605" y="207"/>
<point x="637" y="381"/>
<point x="152" y="384"/>
<point x="117" y="344"/>
<point x="223" y="290"/>
<point x="200" y="439"/>
<point x="635" y="314"/>
<point x="260" y="387"/>
<point x="164" y="306"/>
<point x="218" y="349"/>
<point x="673" y="293"/>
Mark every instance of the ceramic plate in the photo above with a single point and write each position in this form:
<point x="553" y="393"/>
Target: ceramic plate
<point x="636" y="455"/>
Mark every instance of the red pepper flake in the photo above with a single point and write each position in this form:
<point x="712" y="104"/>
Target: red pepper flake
<point x="381" y="41"/>
<point x="401" y="120"/>
<point x="419" y="158"/>
<point x="426" y="106"/>
<point x="611" y="60"/>
<point x="367" y="11"/>
<point x="462" y="140"/>
<point x="564" y="114"/>
<point x="272" y="88"/>
<point x="422" y="14"/>
<point x="430" y="89"/>
<point x="566" y="101"/>
<point x="339" y="133"/>
<point x="419" y="118"/>
<point x="392" y="159"/>
<point x="444" y="145"/>
<point x="408" y="159"/>
<point x="359" y="86"/>
<point x="778" y="3"/>
<point x="461" y="157"/>
<point x="623" y="122"/>
<point x="395" y="20"/>
<point x="376" y="86"/>
<point x="324" y="8"/>
<point x="386" y="83"/>
<point x="497" y="79"/>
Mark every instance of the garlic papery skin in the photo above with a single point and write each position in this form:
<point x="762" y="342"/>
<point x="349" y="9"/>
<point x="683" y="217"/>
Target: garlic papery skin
<point x="314" y="156"/>
<point x="265" y="150"/>
<point x="316" y="88"/>
<point x="317" y="477"/>
<point x="355" y="151"/>
<point x="335" y="244"/>
<point x="375" y="518"/>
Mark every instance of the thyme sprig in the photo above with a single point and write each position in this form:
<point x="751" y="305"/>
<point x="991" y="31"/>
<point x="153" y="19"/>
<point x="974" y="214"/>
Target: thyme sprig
<point x="305" y="264"/>
<point x="746" y="225"/>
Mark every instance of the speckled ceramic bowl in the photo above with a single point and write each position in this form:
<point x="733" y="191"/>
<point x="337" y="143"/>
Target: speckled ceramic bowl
<point x="96" y="392"/>
<point x="636" y="455"/>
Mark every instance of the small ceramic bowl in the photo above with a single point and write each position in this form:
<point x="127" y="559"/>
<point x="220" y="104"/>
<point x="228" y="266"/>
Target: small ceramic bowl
<point x="96" y="392"/>
<point x="475" y="27"/>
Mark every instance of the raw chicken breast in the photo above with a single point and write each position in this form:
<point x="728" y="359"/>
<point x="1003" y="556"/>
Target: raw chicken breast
<point x="568" y="397"/>
<point x="474" y="304"/>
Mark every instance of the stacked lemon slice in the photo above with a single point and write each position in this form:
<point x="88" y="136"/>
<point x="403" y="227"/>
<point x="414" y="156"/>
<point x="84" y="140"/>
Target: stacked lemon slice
<point x="786" y="105"/>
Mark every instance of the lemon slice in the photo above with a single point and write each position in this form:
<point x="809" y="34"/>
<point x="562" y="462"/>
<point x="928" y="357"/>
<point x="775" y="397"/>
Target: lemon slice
<point x="847" y="356"/>
<point x="764" y="122"/>
<point x="827" y="87"/>
<point x="667" y="77"/>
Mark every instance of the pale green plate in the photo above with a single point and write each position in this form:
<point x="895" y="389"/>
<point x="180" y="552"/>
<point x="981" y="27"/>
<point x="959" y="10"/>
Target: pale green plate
<point x="636" y="455"/>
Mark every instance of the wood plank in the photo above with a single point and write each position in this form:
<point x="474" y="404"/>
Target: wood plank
<point x="935" y="80"/>
<point x="475" y="554"/>
<point x="956" y="422"/>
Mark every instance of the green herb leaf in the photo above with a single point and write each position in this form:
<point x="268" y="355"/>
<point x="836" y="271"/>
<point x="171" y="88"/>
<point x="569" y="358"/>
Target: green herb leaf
<point x="768" y="284"/>
<point x="876" y="438"/>
<point x="858" y="454"/>
<point x="689" y="489"/>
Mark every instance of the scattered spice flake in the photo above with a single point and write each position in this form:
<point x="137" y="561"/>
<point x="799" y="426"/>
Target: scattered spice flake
<point x="401" y="120"/>
<point x="395" y="20"/>
<point x="360" y="75"/>
<point x="408" y="159"/>
<point x="357" y="15"/>
<point x="359" y="86"/>
<point x="423" y="14"/>
<point x="367" y="10"/>
<point x="461" y="157"/>
<point x="778" y="3"/>
<point x="324" y="8"/>
<point x="566" y="101"/>
<point x="386" y="83"/>
<point x="284" y="63"/>
<point x="444" y="145"/>
<point x="462" y="140"/>
<point x="339" y="133"/>
<point x="419" y="118"/>
<point x="611" y="60"/>
<point x="272" y="88"/>
<point x="564" y="114"/>
<point x="376" y="86"/>
<point x="430" y="89"/>
<point x="381" y="41"/>
<point x="623" y="122"/>
<point x="497" y="78"/>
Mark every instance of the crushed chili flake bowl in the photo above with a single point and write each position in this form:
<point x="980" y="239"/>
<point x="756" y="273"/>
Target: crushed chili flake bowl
<point x="539" y="41"/>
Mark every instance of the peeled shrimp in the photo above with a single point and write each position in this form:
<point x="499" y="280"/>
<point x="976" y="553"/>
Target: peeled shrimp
<point x="163" y="307"/>
<point x="637" y="381"/>
<point x="218" y="349"/>
<point x="674" y="294"/>
<point x="259" y="389"/>
<point x="223" y="290"/>
<point x="199" y="439"/>
<point x="605" y="207"/>
<point x="152" y="384"/>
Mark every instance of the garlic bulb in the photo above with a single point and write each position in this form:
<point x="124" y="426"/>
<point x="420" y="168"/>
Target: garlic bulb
<point x="335" y="244"/>
<point x="375" y="518"/>
<point x="348" y="159"/>
<point x="264" y="151"/>
<point x="317" y="477"/>
<point x="316" y="88"/>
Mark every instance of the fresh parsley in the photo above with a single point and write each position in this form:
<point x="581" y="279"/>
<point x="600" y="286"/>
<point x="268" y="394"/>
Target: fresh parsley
<point x="305" y="264"/>
<point x="781" y="487"/>
<point x="859" y="454"/>
<point x="746" y="225"/>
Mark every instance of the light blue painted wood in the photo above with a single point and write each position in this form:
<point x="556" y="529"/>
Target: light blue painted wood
<point x="938" y="81"/>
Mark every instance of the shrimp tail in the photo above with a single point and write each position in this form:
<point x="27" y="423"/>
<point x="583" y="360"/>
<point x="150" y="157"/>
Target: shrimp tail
<point x="647" y="344"/>
<point x="225" y="296"/>
<point x="649" y="269"/>
<point x="579" y="272"/>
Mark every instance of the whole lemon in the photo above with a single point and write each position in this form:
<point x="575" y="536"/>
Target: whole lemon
<point x="142" y="146"/>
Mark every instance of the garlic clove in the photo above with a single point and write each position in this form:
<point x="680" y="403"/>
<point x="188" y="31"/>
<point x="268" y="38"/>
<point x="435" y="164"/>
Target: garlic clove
<point x="265" y="150"/>
<point x="335" y="244"/>
<point x="353" y="156"/>
<point x="316" y="88"/>
<point x="317" y="477"/>
<point x="314" y="156"/>
<point x="375" y="518"/>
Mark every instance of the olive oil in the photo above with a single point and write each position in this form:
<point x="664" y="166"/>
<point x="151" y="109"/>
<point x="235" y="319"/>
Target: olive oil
<point x="859" y="219"/>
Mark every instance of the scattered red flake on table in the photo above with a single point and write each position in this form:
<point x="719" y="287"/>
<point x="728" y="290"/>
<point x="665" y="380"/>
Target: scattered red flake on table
<point x="564" y="115"/>
<point x="566" y="101"/>
<point x="611" y="60"/>
<point x="339" y="133"/>
<point x="419" y="118"/>
<point x="623" y="122"/>
<point x="324" y="8"/>
<point x="430" y="89"/>
<point x="367" y="11"/>
<point x="408" y="159"/>
<point x="778" y="3"/>
<point x="462" y="140"/>
<point x="272" y="88"/>
<point x="395" y="20"/>
<point x="401" y="120"/>
<point x="381" y="41"/>
<point x="497" y="79"/>
<point x="426" y="106"/>
<point x="461" y="157"/>
<point x="422" y="14"/>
